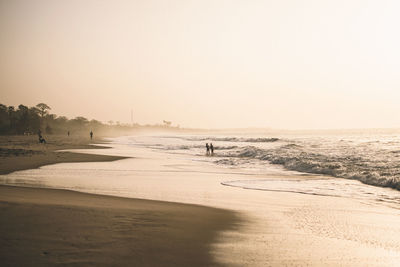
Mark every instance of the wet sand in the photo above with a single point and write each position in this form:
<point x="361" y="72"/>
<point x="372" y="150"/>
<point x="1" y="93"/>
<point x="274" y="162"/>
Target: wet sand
<point x="42" y="227"/>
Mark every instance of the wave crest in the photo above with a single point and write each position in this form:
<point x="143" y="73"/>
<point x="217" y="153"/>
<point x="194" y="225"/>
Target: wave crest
<point x="293" y="157"/>
<point x="235" y="139"/>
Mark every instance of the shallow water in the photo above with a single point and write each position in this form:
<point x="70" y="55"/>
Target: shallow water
<point x="372" y="158"/>
<point x="368" y="158"/>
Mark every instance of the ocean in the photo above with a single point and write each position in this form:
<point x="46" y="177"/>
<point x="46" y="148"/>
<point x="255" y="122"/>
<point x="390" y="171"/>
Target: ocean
<point x="353" y="164"/>
<point x="372" y="159"/>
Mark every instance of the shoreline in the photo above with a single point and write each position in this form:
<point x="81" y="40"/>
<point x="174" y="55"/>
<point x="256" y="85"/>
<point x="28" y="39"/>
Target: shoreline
<point x="24" y="152"/>
<point x="41" y="226"/>
<point x="231" y="227"/>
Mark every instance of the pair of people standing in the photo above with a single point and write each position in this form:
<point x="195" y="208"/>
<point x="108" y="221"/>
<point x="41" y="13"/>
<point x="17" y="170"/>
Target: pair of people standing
<point x="209" y="149"/>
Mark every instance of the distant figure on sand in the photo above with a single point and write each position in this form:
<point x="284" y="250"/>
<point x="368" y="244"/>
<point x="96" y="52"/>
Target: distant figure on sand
<point x="212" y="149"/>
<point x="91" y="135"/>
<point x="41" y="139"/>
<point x="207" y="149"/>
<point x="68" y="133"/>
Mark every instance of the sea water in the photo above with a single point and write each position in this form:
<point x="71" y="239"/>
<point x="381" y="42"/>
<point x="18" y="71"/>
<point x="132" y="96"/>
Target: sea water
<point x="367" y="163"/>
<point x="373" y="159"/>
<point x="352" y="164"/>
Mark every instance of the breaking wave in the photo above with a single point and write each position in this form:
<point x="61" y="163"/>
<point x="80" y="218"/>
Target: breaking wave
<point x="234" y="139"/>
<point x="373" y="168"/>
<point x="371" y="159"/>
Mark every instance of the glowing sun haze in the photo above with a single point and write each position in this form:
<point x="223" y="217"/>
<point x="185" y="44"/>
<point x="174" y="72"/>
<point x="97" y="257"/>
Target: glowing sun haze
<point x="282" y="64"/>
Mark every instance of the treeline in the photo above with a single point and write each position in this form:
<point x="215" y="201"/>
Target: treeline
<point x="31" y="120"/>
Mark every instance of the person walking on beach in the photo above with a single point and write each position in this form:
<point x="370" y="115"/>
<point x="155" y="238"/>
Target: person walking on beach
<point x="207" y="149"/>
<point x="212" y="149"/>
<point x="68" y="133"/>
<point x="91" y="135"/>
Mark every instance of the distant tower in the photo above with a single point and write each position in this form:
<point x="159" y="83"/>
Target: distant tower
<point x="132" y="117"/>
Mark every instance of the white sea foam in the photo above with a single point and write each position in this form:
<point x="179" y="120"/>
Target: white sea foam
<point x="372" y="166"/>
<point x="323" y="187"/>
<point x="233" y="139"/>
<point x="371" y="159"/>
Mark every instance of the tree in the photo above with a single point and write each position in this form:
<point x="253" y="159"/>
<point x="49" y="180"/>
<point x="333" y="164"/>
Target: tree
<point x="62" y="120"/>
<point x="167" y="123"/>
<point x="94" y="123"/>
<point x="4" y="119"/>
<point x="11" y="118"/>
<point x="22" y="119"/>
<point x="34" y="120"/>
<point x="49" y="130"/>
<point x="43" y="109"/>
<point x="80" y="121"/>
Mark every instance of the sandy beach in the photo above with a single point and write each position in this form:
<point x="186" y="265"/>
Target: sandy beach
<point x="166" y="199"/>
<point x="49" y="227"/>
<point x="25" y="152"/>
<point x="41" y="227"/>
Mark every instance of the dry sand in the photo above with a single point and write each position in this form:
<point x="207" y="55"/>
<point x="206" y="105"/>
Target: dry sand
<point x="25" y="152"/>
<point x="41" y="227"/>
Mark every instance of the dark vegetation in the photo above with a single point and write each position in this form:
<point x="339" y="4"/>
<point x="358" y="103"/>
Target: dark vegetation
<point x="31" y="120"/>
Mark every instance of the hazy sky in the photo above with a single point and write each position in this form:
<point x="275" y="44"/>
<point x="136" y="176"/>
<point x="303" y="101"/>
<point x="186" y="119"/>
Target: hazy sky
<point x="281" y="64"/>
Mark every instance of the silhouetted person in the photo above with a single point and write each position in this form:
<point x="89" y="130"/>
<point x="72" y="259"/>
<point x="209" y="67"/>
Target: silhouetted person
<point x="207" y="149"/>
<point x="68" y="133"/>
<point x="212" y="149"/>
<point x="41" y="139"/>
<point x="91" y="135"/>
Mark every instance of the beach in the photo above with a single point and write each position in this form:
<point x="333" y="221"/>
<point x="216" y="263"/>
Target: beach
<point x="25" y="152"/>
<point x="42" y="227"/>
<point x="249" y="213"/>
